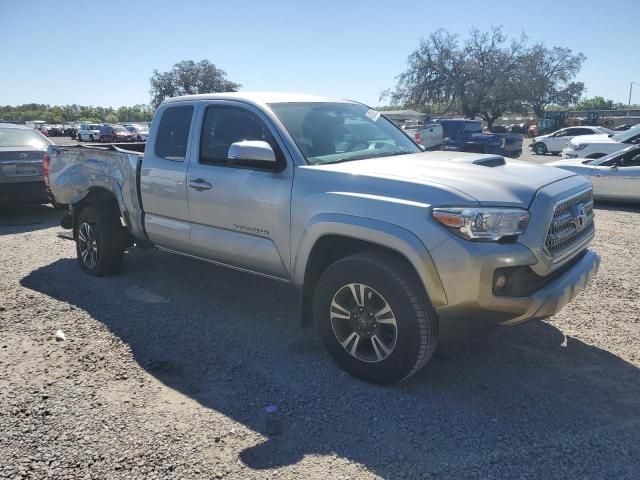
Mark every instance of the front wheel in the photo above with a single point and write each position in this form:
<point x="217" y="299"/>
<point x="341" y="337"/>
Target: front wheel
<point x="100" y="240"/>
<point x="373" y="317"/>
<point x="540" y="148"/>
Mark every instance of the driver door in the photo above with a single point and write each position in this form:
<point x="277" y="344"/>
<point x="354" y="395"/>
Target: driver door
<point x="239" y="214"/>
<point x="559" y="140"/>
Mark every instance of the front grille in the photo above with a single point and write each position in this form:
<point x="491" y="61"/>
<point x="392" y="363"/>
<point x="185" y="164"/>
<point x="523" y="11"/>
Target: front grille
<point x="566" y="233"/>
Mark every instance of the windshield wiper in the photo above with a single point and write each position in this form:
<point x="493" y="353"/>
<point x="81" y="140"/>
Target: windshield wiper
<point x="366" y="157"/>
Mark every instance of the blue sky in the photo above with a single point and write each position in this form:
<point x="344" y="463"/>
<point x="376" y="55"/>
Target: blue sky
<point x="103" y="53"/>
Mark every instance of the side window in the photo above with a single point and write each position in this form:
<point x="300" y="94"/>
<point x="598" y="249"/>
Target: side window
<point x="223" y="126"/>
<point x="561" y="133"/>
<point x="173" y="133"/>
<point x="632" y="160"/>
<point x="585" y="131"/>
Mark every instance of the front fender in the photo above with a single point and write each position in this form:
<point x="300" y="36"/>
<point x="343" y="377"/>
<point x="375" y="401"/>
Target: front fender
<point x="373" y="231"/>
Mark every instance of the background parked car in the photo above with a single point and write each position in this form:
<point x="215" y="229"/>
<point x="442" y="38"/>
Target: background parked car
<point x="597" y="146"/>
<point x="139" y="132"/>
<point x="89" y="132"/>
<point x="429" y="136"/>
<point x="614" y="177"/>
<point x="556" y="141"/>
<point x="22" y="150"/>
<point x="115" y="134"/>
<point x="464" y="135"/>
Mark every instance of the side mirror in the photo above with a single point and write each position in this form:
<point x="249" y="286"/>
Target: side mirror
<point x="614" y="166"/>
<point x="253" y="150"/>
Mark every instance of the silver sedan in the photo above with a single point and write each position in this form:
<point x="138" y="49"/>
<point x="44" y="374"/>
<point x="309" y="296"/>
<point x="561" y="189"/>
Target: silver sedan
<point x="614" y="177"/>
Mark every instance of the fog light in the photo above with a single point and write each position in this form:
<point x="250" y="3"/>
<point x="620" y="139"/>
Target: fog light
<point x="500" y="281"/>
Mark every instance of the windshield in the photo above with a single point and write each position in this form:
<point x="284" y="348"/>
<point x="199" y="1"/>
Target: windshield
<point x="119" y="129"/>
<point x="624" y="136"/>
<point x="336" y="132"/>
<point x="17" y="137"/>
<point x="94" y="127"/>
<point x="607" y="158"/>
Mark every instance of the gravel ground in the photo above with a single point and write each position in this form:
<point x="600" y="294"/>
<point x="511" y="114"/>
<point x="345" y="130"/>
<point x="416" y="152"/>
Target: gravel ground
<point x="167" y="367"/>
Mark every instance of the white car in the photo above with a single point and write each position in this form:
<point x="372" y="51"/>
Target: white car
<point x="556" y="141"/>
<point x="89" y="132"/>
<point x="140" y="132"/>
<point x="596" y="146"/>
<point x="614" y="177"/>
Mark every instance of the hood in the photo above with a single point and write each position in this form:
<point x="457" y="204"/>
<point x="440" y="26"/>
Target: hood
<point x="512" y="183"/>
<point x="598" y="138"/>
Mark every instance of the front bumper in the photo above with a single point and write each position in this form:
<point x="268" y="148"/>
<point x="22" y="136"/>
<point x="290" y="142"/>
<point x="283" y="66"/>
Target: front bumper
<point x="550" y="299"/>
<point x="467" y="269"/>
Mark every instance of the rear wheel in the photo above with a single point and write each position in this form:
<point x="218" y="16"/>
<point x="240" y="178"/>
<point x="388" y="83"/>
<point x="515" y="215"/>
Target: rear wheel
<point x="100" y="240"/>
<point x="540" y="148"/>
<point x="373" y="318"/>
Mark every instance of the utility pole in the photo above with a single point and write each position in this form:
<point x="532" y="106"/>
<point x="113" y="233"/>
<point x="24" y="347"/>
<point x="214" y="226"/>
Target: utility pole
<point x="629" y="105"/>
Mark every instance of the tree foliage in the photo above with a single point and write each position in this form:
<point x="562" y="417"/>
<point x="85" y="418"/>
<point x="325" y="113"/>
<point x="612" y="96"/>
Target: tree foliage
<point x="487" y="74"/>
<point x="74" y="113"/>
<point x="188" y="78"/>
<point x="596" y="103"/>
<point x="547" y="76"/>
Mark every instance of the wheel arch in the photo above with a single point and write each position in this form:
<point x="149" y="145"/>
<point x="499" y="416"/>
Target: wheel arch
<point x="96" y="195"/>
<point x="329" y="238"/>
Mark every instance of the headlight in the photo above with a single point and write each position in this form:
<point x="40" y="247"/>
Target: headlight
<point x="488" y="224"/>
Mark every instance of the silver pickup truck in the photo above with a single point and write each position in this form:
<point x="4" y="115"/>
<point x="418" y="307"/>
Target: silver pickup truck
<point x="390" y="247"/>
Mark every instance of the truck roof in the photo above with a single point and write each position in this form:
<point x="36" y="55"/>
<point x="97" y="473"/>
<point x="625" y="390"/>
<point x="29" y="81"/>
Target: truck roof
<point x="258" y="97"/>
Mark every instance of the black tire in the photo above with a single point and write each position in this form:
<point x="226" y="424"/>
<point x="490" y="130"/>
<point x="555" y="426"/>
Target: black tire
<point x="91" y="138"/>
<point x="416" y="330"/>
<point x="139" y="139"/>
<point x="540" y="148"/>
<point x="109" y="236"/>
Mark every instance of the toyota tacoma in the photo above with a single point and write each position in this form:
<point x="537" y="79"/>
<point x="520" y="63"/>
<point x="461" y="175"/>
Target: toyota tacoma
<point x="389" y="247"/>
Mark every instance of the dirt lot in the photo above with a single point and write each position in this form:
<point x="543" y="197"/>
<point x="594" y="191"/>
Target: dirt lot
<point x="166" y="369"/>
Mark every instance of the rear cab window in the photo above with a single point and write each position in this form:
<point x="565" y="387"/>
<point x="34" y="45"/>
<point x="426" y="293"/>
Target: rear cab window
<point x="172" y="136"/>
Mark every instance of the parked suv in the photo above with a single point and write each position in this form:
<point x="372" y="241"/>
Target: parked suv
<point x="556" y="141"/>
<point x="89" y="132"/>
<point x="115" y="134"/>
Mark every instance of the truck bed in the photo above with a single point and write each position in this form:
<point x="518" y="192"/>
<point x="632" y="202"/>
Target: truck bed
<point x="77" y="171"/>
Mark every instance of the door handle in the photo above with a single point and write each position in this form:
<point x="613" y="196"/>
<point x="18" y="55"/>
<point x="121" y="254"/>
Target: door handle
<point x="200" y="184"/>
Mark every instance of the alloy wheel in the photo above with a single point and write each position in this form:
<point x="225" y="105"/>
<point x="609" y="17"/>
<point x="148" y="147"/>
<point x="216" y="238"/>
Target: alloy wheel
<point x="363" y="322"/>
<point x="88" y="246"/>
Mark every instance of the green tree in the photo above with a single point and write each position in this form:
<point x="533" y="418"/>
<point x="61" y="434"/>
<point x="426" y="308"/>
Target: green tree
<point x="477" y="77"/>
<point x="547" y="77"/>
<point x="487" y="75"/>
<point x="188" y="78"/>
<point x="595" y="103"/>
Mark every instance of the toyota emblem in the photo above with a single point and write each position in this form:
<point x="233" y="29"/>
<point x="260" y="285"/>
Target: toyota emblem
<point x="580" y="217"/>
